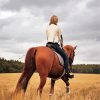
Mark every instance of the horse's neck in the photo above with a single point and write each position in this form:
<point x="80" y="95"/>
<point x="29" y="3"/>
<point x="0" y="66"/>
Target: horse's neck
<point x="66" y="51"/>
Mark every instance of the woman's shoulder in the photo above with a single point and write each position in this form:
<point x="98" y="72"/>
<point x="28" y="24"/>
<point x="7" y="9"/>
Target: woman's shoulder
<point x="53" y="25"/>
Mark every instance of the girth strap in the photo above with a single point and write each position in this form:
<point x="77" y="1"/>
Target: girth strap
<point x="60" y="76"/>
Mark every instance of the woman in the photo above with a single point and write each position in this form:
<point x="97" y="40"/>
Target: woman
<point x="54" y="36"/>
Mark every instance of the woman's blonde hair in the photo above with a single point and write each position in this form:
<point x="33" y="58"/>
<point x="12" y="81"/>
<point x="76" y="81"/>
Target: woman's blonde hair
<point x="53" y="20"/>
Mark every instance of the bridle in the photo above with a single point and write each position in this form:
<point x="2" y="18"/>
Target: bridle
<point x="71" y="58"/>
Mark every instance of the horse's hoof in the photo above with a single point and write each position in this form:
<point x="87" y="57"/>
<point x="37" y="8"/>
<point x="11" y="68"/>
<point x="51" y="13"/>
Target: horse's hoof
<point x="68" y="90"/>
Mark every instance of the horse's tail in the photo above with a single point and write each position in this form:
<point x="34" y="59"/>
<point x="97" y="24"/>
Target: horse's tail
<point x="30" y="58"/>
<point x="28" y="70"/>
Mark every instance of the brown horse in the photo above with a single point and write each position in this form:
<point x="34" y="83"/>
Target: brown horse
<point x="45" y="62"/>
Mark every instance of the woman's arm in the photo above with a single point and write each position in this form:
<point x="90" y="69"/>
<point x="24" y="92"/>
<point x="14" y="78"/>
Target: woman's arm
<point x="61" y="41"/>
<point x="60" y="38"/>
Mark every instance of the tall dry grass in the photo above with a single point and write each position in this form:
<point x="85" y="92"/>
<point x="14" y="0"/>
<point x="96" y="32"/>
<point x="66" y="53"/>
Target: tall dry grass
<point x="91" y="93"/>
<point x="83" y="87"/>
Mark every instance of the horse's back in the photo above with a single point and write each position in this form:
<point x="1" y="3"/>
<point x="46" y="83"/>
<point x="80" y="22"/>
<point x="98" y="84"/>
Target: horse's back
<point x="44" y="54"/>
<point x="44" y="59"/>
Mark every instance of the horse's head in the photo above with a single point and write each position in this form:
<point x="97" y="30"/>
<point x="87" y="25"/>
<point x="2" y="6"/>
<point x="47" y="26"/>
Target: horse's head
<point x="70" y="52"/>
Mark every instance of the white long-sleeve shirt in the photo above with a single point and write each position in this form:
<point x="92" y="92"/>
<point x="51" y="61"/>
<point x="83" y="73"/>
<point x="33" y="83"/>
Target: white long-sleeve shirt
<point x="53" y="33"/>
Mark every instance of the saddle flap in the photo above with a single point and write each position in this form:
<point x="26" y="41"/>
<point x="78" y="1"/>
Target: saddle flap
<point x="60" y="58"/>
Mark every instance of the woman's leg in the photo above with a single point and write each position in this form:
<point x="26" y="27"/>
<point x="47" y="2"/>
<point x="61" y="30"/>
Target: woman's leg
<point x="63" y="54"/>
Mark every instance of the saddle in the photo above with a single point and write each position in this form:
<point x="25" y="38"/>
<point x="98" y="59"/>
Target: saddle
<point x="61" y="61"/>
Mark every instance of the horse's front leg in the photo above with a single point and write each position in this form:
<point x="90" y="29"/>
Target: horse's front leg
<point x="52" y="87"/>
<point x="66" y="80"/>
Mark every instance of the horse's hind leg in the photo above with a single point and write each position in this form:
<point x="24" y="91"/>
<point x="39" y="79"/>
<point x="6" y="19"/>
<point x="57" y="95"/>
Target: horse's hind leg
<point x="66" y="80"/>
<point x="23" y="81"/>
<point x="42" y="83"/>
<point x="52" y="87"/>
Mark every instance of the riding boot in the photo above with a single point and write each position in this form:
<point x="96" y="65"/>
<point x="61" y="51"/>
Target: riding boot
<point x="70" y="71"/>
<point x="68" y="75"/>
<point x="67" y="70"/>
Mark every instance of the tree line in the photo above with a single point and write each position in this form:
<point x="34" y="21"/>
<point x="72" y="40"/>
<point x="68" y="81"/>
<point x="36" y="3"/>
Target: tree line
<point x="15" y="66"/>
<point x="10" y="66"/>
<point x="87" y="68"/>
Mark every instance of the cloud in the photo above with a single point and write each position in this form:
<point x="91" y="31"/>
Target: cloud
<point x="88" y="52"/>
<point x="94" y="4"/>
<point x="18" y="4"/>
<point x="23" y="24"/>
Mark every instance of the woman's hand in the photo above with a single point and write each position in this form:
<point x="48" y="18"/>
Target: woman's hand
<point x="62" y="45"/>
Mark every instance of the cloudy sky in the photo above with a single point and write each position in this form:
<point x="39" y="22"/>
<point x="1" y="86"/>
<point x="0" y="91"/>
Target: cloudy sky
<point x="23" y="24"/>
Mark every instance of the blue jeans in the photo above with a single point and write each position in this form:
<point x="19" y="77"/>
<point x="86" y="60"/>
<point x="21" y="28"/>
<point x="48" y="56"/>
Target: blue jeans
<point x="59" y="50"/>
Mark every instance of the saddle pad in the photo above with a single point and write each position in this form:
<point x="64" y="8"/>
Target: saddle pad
<point x="60" y="58"/>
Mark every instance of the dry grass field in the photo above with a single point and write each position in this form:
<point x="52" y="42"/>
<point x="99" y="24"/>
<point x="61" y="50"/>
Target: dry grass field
<point x="83" y="87"/>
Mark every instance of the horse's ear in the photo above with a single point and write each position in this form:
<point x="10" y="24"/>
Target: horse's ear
<point x="75" y="47"/>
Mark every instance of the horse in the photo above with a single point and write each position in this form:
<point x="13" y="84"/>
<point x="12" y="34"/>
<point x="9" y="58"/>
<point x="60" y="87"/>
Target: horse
<point x="45" y="61"/>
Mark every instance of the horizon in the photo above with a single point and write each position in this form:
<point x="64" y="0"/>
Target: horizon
<point x="72" y="64"/>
